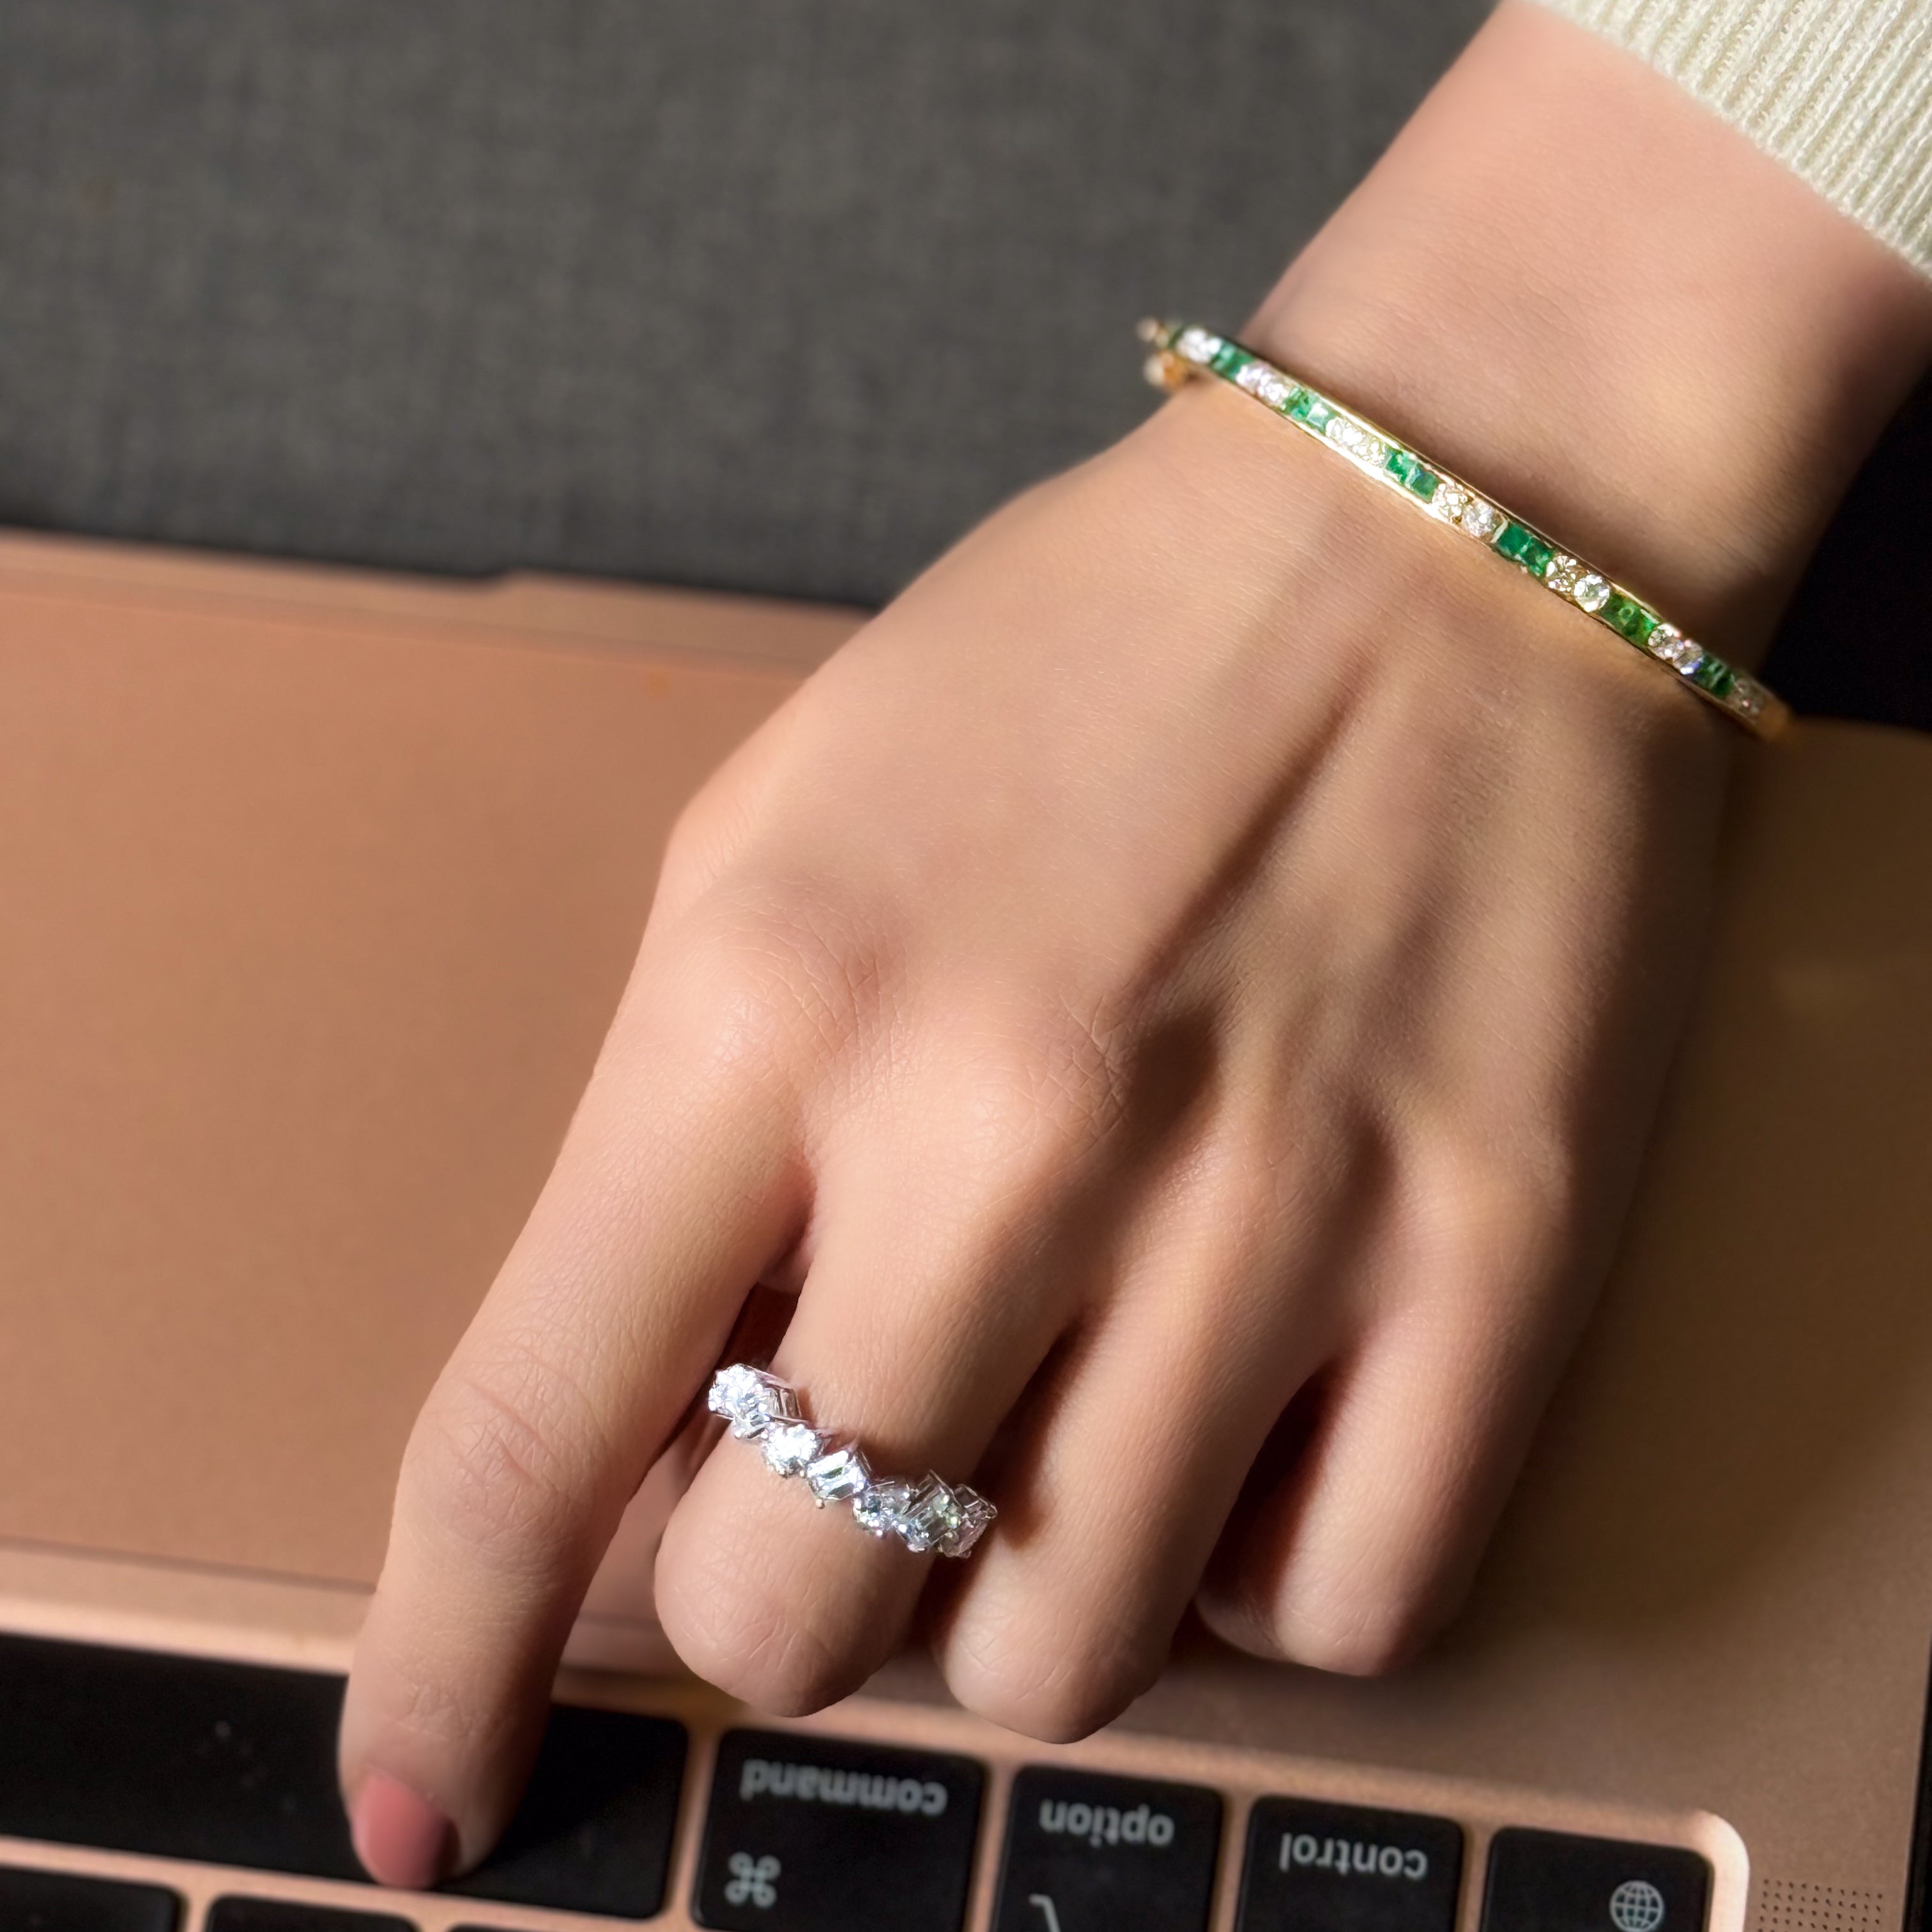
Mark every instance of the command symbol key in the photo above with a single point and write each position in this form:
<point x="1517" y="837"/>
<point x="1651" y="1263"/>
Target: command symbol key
<point x="808" y="1834"/>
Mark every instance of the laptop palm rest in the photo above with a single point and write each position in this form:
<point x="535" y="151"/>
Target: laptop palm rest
<point x="316" y="894"/>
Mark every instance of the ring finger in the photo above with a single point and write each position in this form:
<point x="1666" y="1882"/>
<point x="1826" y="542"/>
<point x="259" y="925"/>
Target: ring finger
<point x="929" y="1306"/>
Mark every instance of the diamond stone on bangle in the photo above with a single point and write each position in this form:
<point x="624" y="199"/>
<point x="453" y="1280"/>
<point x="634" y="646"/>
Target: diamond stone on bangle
<point x="1584" y="587"/>
<point x="1363" y="445"/>
<point x="1669" y="644"/>
<point x="1481" y="519"/>
<point x="790" y="1446"/>
<point x="1197" y="345"/>
<point x="1270" y="386"/>
<point x="839" y="1475"/>
<point x="750" y="1400"/>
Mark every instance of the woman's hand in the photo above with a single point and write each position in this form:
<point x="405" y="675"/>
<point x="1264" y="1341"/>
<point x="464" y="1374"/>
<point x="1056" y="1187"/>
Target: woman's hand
<point x="1215" y="940"/>
<point x="1181" y="997"/>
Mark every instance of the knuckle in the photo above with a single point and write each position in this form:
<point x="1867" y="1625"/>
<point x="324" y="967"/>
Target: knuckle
<point x="1251" y="1182"/>
<point x="1078" y="1078"/>
<point x="1371" y="1648"/>
<point x="487" y="1462"/>
<point x="1495" y="1212"/>
<point x="1357" y="1630"/>
<point x="1038" y="1092"/>
<point x="1057" y="1685"/>
<point x="721" y="820"/>
<point x="773" y="966"/>
<point x="692" y="854"/>
<point x="788" y="1671"/>
<point x="1240" y="1617"/>
<point x="749" y="1637"/>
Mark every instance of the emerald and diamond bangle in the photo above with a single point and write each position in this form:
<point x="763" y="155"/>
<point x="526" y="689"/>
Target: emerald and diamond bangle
<point x="1182" y="351"/>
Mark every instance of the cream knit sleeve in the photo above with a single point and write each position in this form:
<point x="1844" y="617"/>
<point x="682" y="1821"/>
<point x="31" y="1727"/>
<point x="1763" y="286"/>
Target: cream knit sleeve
<point x="1840" y="90"/>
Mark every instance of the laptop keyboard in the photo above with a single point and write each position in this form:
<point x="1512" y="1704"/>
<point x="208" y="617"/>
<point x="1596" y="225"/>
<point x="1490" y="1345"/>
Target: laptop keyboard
<point x="233" y="1764"/>
<point x="36" y="1901"/>
<point x="230" y="1766"/>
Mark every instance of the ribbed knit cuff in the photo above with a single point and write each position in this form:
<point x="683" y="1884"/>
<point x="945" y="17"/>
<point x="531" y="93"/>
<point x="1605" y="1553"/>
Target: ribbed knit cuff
<point x="1840" y="91"/>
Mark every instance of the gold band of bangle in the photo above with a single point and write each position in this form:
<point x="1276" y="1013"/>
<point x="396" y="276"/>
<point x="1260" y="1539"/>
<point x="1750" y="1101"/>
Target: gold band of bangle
<point x="1183" y="351"/>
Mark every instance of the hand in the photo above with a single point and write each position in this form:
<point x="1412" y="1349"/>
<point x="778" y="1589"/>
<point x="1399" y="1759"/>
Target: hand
<point x="1180" y="998"/>
<point x="1216" y="936"/>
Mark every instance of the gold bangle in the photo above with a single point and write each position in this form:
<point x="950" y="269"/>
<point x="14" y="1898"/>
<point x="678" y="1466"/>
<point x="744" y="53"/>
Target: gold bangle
<point x="1183" y="351"/>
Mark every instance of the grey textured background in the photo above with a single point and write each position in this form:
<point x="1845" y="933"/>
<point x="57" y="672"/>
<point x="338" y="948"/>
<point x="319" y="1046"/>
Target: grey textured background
<point x="778" y="295"/>
<point x="768" y="295"/>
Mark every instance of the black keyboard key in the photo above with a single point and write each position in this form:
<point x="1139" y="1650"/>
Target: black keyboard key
<point x="1342" y="1868"/>
<point x="282" y="1915"/>
<point x="594" y="1831"/>
<point x="234" y="1764"/>
<point x="171" y="1756"/>
<point x="815" y="1834"/>
<point x="1086" y="1853"/>
<point x="42" y="1901"/>
<point x="1551" y="1882"/>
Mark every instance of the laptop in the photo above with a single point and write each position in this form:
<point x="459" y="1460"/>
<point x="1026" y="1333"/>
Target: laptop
<point x="316" y="891"/>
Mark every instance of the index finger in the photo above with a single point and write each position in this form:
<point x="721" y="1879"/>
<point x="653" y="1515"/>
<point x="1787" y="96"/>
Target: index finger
<point x="674" y="1190"/>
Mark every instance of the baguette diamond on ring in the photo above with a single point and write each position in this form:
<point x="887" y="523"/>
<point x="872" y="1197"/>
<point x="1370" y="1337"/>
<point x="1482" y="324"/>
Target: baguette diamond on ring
<point x="928" y="1514"/>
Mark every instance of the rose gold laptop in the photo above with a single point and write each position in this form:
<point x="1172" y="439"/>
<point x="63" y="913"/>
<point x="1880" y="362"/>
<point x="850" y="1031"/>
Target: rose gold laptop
<point x="316" y="892"/>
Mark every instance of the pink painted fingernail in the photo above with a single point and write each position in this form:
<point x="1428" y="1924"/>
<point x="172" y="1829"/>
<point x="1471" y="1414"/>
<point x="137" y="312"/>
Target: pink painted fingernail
<point x="402" y="1840"/>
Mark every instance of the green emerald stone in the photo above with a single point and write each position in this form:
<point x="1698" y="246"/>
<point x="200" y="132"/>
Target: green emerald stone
<point x="1415" y="474"/>
<point x="1625" y="614"/>
<point x="1318" y="414"/>
<point x="1230" y="359"/>
<point x="1526" y="547"/>
<point x="1714" y="676"/>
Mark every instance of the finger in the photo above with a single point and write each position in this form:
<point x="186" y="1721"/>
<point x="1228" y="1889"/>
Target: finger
<point x="897" y="1344"/>
<point x="931" y="1304"/>
<point x="1361" y="1551"/>
<point x="674" y="1189"/>
<point x="622" y="1591"/>
<point x="1128" y="1467"/>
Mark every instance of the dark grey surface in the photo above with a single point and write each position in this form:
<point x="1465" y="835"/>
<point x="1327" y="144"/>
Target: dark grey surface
<point x="777" y="295"/>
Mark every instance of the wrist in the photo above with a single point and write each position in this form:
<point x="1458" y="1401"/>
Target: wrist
<point x="1371" y="596"/>
<point x="1677" y="384"/>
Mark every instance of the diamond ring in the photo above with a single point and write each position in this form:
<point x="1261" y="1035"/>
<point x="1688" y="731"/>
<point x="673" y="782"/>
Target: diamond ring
<point x="929" y="1514"/>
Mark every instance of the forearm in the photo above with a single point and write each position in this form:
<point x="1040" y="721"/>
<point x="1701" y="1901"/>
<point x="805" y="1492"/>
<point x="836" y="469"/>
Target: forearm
<point x="1576" y="286"/>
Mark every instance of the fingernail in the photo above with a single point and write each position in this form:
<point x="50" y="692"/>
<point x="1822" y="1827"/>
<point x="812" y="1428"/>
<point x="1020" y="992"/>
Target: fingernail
<point x="402" y="1840"/>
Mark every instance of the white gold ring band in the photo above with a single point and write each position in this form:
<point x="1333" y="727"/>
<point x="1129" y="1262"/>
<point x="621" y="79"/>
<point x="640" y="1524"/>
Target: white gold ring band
<point x="929" y="1514"/>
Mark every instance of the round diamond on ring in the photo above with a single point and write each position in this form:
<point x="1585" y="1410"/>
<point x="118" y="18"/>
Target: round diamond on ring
<point x="928" y="1514"/>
